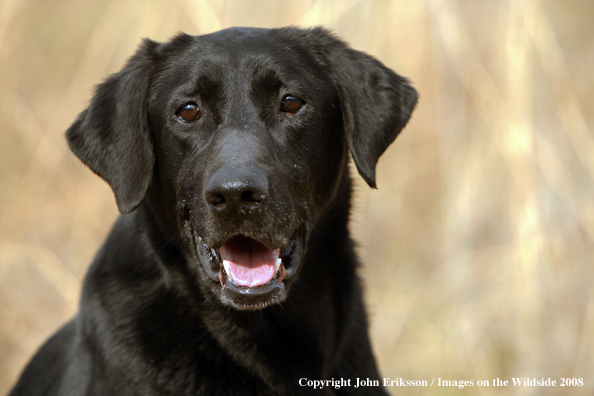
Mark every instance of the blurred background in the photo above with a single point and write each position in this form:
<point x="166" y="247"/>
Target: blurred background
<point x="478" y="246"/>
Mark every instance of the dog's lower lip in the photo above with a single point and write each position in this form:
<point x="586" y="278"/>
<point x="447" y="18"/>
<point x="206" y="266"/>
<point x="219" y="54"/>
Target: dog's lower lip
<point x="224" y="274"/>
<point x="275" y="283"/>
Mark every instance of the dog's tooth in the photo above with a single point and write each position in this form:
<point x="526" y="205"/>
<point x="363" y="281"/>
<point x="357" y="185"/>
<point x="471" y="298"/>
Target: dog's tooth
<point x="277" y="264"/>
<point x="226" y="264"/>
<point x="282" y="274"/>
<point x="222" y="279"/>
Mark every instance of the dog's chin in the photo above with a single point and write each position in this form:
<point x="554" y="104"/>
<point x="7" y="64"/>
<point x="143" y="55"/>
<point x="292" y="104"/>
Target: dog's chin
<point x="245" y="273"/>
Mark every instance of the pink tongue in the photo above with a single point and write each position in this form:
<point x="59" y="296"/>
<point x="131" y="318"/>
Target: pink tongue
<point x="250" y="262"/>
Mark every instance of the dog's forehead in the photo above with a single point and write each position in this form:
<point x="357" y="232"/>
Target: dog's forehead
<point x="245" y="51"/>
<point x="239" y="34"/>
<point x="235" y="42"/>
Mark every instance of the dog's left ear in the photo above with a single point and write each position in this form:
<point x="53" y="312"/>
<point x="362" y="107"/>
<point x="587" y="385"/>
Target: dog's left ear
<point x="112" y="135"/>
<point x="376" y="102"/>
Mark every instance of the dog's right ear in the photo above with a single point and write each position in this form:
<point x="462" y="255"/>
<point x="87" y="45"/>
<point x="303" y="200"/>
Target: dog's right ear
<point x="112" y="136"/>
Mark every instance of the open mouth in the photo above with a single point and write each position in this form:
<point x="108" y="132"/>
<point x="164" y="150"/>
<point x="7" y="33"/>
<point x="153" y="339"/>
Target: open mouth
<point x="246" y="266"/>
<point x="249" y="263"/>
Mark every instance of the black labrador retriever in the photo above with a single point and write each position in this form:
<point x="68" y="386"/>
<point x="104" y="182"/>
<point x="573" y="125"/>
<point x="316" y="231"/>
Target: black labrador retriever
<point x="232" y="271"/>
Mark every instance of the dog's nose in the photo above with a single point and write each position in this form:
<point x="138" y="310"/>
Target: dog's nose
<point x="233" y="191"/>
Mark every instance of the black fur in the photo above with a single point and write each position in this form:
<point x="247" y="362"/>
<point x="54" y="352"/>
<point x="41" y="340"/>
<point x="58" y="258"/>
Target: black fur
<point x="154" y="318"/>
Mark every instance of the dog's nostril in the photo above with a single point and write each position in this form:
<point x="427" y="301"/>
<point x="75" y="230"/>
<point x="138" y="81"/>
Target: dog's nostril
<point x="252" y="199"/>
<point x="216" y="199"/>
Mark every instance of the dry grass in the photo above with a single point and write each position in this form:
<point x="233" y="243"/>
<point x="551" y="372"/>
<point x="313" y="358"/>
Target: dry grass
<point x="478" y="245"/>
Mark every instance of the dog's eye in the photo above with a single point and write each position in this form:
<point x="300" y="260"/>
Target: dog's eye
<point x="188" y="112"/>
<point x="291" y="104"/>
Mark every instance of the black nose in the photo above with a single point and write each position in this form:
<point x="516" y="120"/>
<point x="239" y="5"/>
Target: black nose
<point x="237" y="191"/>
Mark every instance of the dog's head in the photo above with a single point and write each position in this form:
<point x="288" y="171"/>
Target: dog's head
<point x="239" y="140"/>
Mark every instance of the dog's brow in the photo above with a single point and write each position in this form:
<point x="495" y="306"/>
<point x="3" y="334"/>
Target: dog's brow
<point x="209" y="88"/>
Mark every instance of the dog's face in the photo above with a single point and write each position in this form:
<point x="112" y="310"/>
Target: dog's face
<point x="242" y="128"/>
<point x="239" y="142"/>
